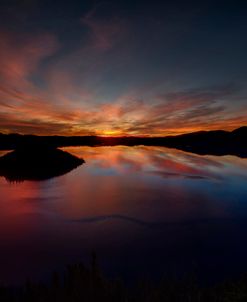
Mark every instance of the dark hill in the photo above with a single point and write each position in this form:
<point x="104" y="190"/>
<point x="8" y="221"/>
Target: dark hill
<point x="213" y="142"/>
<point x="37" y="164"/>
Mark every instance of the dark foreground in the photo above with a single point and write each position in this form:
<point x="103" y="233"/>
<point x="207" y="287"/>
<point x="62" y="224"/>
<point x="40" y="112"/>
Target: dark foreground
<point x="80" y="283"/>
<point x="37" y="163"/>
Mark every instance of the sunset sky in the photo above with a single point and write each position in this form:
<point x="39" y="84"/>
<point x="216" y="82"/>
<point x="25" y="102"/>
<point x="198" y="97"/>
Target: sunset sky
<point x="122" y="67"/>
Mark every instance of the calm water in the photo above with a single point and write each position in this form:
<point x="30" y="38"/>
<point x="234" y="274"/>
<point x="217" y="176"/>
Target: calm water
<point x="144" y="210"/>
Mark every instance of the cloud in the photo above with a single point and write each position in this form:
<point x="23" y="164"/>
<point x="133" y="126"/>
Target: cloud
<point x="127" y="116"/>
<point x="20" y="55"/>
<point x="57" y="98"/>
<point x="104" y="32"/>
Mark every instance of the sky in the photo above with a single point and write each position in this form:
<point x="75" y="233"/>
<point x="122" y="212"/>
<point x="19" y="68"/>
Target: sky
<point x="141" y="68"/>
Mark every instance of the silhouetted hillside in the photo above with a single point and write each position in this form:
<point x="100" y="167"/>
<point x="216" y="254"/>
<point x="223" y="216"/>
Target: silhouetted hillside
<point x="204" y="142"/>
<point x="213" y="142"/>
<point x="36" y="163"/>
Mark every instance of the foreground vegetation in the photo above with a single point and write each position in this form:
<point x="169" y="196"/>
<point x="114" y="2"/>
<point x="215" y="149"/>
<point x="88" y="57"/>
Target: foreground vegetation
<point x="83" y="284"/>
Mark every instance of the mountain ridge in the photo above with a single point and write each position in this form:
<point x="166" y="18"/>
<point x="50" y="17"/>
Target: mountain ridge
<point x="215" y="142"/>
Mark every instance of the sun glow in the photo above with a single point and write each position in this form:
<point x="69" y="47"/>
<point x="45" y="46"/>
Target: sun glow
<point x="111" y="133"/>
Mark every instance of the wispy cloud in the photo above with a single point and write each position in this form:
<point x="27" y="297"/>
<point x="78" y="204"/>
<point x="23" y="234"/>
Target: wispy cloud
<point x="103" y="32"/>
<point x="46" y="90"/>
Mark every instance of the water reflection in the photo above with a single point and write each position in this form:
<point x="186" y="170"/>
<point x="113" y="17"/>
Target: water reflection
<point x="160" y="161"/>
<point x="144" y="210"/>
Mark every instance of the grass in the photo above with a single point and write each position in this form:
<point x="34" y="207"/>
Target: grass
<point x="87" y="284"/>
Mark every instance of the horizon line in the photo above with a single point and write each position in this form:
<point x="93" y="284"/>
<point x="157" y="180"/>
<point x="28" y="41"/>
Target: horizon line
<point x="125" y="135"/>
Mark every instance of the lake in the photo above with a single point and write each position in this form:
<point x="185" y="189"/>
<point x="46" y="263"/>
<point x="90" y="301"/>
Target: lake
<point x="145" y="211"/>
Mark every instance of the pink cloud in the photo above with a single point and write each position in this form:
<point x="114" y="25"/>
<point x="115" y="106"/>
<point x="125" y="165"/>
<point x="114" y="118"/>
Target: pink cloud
<point x="21" y="55"/>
